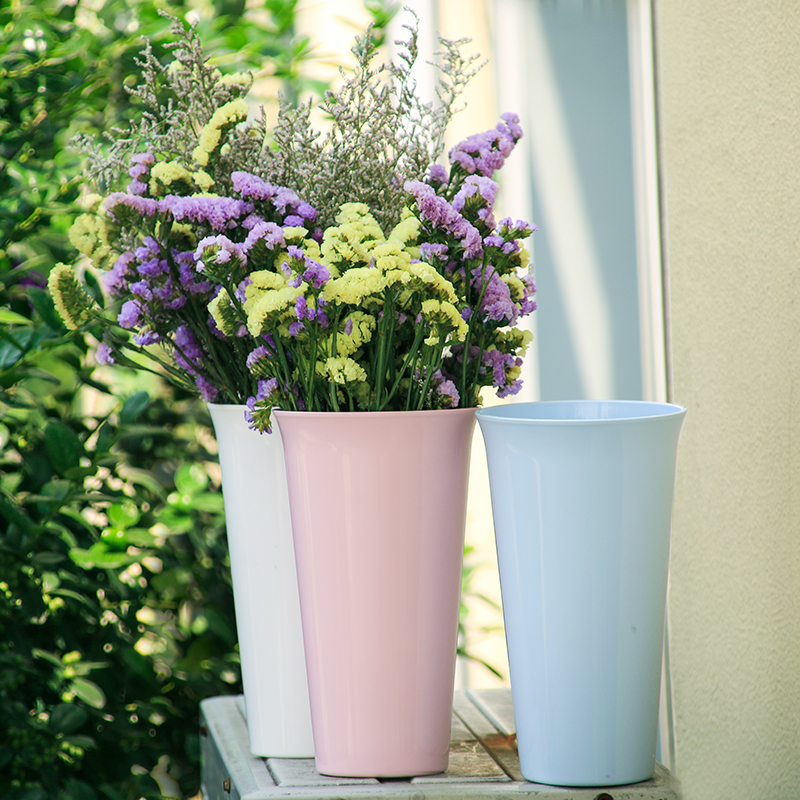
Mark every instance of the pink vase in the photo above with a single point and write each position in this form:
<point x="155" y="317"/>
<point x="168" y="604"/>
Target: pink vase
<point x="378" y="504"/>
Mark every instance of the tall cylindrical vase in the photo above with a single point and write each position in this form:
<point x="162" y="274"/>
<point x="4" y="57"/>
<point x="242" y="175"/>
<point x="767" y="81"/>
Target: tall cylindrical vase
<point x="582" y="499"/>
<point x="264" y="586"/>
<point x="378" y="506"/>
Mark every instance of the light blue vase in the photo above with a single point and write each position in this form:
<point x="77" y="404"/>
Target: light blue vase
<point x="582" y="500"/>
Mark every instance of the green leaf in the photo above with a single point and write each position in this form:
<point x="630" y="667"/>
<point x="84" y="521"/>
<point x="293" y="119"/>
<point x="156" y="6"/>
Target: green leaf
<point x="67" y="717"/>
<point x="133" y="407"/>
<point x="106" y="437"/>
<point x="9" y="317"/>
<point x="191" y="479"/>
<point x="50" y="581"/>
<point x="88" y="691"/>
<point x="123" y="515"/>
<point x="98" y="555"/>
<point x="63" y="446"/>
<point x="76" y="789"/>
<point x="43" y="303"/>
<point x="83" y="741"/>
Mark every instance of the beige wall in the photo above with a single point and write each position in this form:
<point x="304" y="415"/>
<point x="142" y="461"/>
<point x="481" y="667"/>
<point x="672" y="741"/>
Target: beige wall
<point x="729" y="96"/>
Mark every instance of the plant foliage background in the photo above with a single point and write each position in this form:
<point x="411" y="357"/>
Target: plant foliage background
<point x="116" y="613"/>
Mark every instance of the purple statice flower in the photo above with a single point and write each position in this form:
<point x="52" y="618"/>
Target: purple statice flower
<point x="441" y="214"/>
<point x="301" y="309"/>
<point x="429" y="252"/>
<point x="225" y="250"/>
<point x="137" y="187"/>
<point x="476" y="186"/>
<point x="152" y="267"/>
<point x="306" y="211"/>
<point x="141" y="289"/>
<point x="284" y="198"/>
<point x="267" y="232"/>
<point x="139" y="161"/>
<point x="188" y="354"/>
<point x="437" y="175"/>
<point x="142" y="205"/>
<point x="293" y="220"/>
<point x="104" y="354"/>
<point x="348" y="327"/>
<point x="177" y="303"/>
<point x="295" y="281"/>
<point x="528" y="304"/>
<point x="446" y="389"/>
<point x="212" y="326"/>
<point x="295" y="328"/>
<point x="512" y="124"/>
<point x="518" y="230"/>
<point x="499" y="363"/>
<point x="130" y="314"/>
<point x="144" y="338"/>
<point x="496" y="303"/>
<point x="114" y="281"/>
<point x="208" y="391"/>
<point x="140" y="172"/>
<point x="494" y="241"/>
<point x="221" y="213"/>
<point x="466" y="314"/>
<point x="149" y="248"/>
<point x="264" y="391"/>
<point x="510" y="248"/>
<point x="486" y="152"/>
<point x="316" y="274"/>
<point x="251" y="186"/>
<point x="240" y="289"/>
<point x="259" y="354"/>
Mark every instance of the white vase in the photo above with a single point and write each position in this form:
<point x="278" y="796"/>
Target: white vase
<point x="264" y="586"/>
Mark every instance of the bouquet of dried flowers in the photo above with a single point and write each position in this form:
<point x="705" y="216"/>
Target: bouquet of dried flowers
<point x="286" y="268"/>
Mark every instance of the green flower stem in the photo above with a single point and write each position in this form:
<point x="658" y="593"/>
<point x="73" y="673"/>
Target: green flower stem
<point x="412" y="354"/>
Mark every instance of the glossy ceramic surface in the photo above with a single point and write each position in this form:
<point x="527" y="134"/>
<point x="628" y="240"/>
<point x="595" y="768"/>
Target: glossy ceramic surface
<point x="264" y="586"/>
<point x="378" y="508"/>
<point x="582" y="499"/>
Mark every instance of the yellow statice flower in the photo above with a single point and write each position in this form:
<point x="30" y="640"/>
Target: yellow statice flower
<point x="390" y="256"/>
<point x="342" y="370"/>
<point x="515" y="286"/>
<point x="224" y="314"/>
<point x="71" y="300"/>
<point x="294" y="234"/>
<point x="165" y="173"/>
<point x="433" y="280"/>
<point x="361" y="326"/>
<point x="264" y="279"/>
<point x="407" y="230"/>
<point x="203" y="180"/>
<point x="84" y="234"/>
<point x="210" y="137"/>
<point x="355" y="286"/>
<point x="266" y="310"/>
<point x="444" y="313"/>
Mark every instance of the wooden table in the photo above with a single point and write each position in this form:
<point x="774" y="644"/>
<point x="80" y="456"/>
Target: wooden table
<point x="483" y="763"/>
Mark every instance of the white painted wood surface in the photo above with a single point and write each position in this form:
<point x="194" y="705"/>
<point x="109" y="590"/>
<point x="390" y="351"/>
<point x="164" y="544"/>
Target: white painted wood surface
<point x="483" y="763"/>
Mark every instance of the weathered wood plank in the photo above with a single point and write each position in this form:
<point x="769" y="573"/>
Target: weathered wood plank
<point x="469" y="760"/>
<point x="303" y="772"/>
<point x="231" y="772"/>
<point x="497" y="706"/>
<point x="236" y="767"/>
<point x="501" y="746"/>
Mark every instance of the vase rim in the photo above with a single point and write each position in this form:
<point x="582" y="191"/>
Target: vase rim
<point x="286" y="412"/>
<point x="580" y="412"/>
